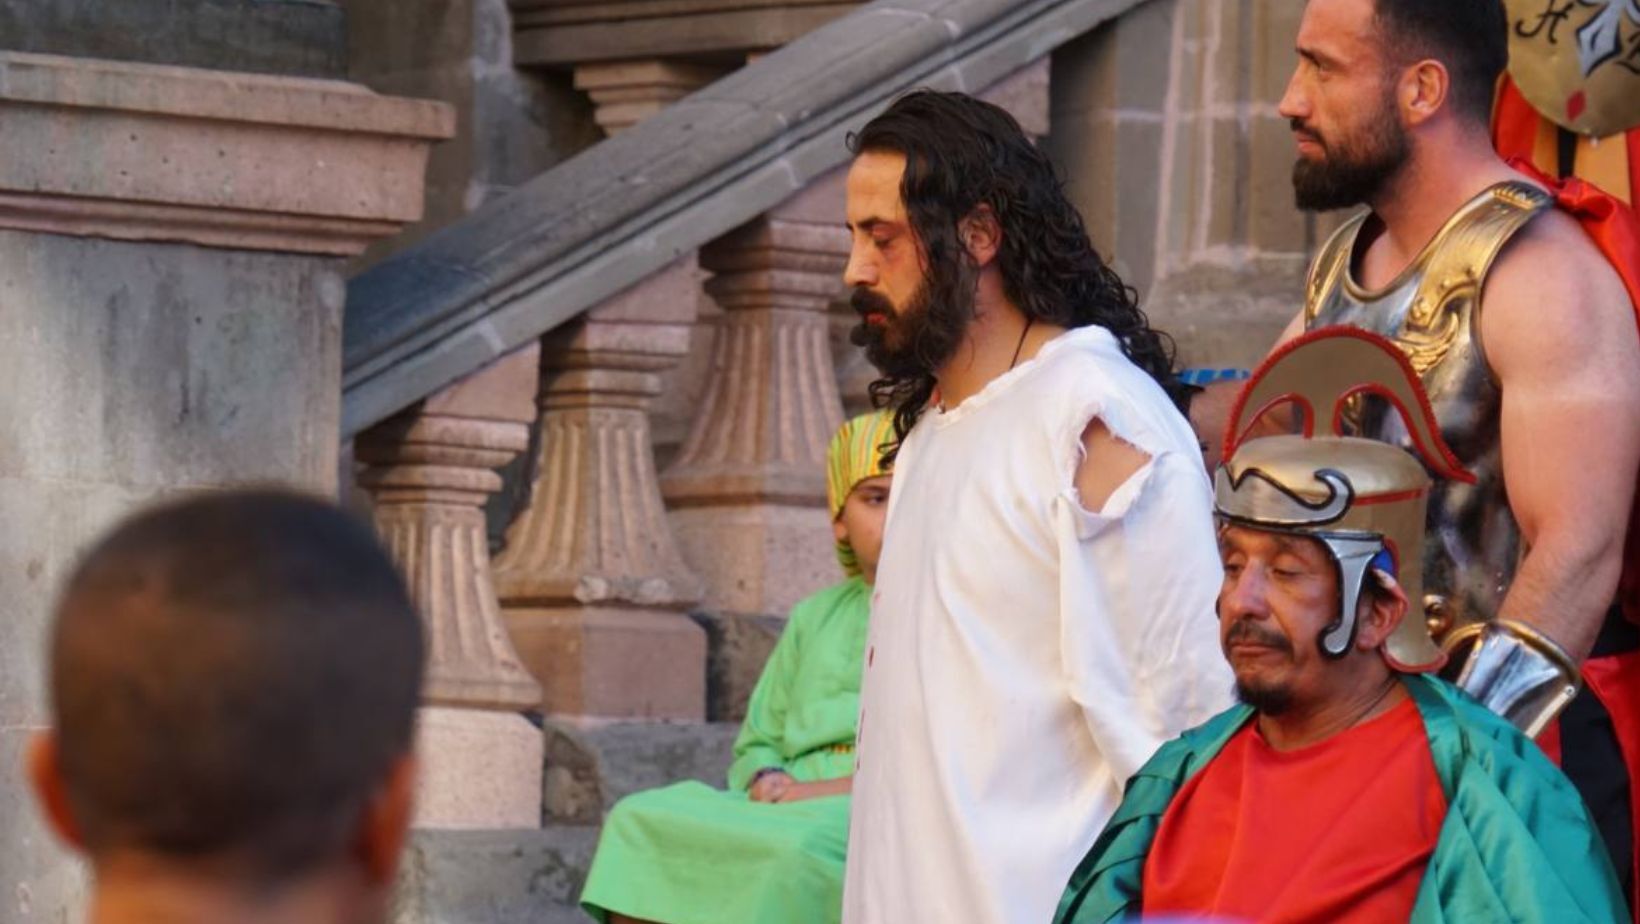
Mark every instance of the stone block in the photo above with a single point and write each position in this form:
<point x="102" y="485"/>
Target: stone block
<point x="613" y="662"/>
<point x="227" y="160"/>
<point x="511" y="125"/>
<point x="592" y="765"/>
<point x="1275" y="223"/>
<point x="150" y="365"/>
<point x="1137" y="183"/>
<point x="494" y="877"/>
<point x="1225" y="172"/>
<point x="503" y="390"/>
<point x="756" y="558"/>
<point x="554" y="32"/>
<point x="479" y="769"/>
<point x="44" y="883"/>
<point x="1272" y="36"/>
<point x="738" y="646"/>
<point x="1229" y="317"/>
<point x="303" y="39"/>
<point x="1083" y="80"/>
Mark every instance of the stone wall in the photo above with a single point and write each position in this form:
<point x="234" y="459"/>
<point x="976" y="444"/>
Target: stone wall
<point x="1165" y="124"/>
<point x="303" y="38"/>
<point x="511" y="124"/>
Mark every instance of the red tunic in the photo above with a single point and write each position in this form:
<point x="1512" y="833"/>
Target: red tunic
<point x="1339" y="831"/>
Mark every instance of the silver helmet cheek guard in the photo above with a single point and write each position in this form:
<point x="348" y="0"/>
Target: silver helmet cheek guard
<point x="1353" y="557"/>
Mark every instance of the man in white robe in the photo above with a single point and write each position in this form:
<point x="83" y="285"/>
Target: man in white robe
<point x="1044" y="613"/>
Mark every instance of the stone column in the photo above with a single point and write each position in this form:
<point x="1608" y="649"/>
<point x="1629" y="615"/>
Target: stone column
<point x="594" y="590"/>
<point x="747" y="491"/>
<point x="170" y="317"/>
<point x="430" y="471"/>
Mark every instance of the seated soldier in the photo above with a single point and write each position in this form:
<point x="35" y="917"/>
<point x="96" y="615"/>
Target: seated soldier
<point x="234" y="682"/>
<point x="1349" y="786"/>
<point x="772" y="847"/>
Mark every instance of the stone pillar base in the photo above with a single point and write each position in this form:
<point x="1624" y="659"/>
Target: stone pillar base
<point x="613" y="662"/>
<point x="757" y="558"/>
<point x="479" y="769"/>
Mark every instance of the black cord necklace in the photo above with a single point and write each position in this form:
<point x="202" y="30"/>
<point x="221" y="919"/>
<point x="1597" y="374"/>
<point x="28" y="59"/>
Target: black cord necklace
<point x="1021" y="345"/>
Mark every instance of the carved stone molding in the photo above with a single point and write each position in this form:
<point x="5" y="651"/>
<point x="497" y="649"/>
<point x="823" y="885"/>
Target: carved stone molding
<point x="562" y="32"/>
<point x="626" y="92"/>
<point x="246" y="161"/>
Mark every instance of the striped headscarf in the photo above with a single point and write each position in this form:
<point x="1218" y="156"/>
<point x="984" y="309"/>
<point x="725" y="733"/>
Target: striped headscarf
<point x="854" y="455"/>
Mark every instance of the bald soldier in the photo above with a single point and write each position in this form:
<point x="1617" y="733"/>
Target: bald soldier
<point x="233" y="685"/>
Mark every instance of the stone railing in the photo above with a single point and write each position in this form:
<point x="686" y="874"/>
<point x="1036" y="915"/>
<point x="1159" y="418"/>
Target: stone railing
<point x="610" y="217"/>
<point x="733" y="190"/>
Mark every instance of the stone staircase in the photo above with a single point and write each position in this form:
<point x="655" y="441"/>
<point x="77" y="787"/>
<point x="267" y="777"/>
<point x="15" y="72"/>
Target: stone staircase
<point x="535" y="874"/>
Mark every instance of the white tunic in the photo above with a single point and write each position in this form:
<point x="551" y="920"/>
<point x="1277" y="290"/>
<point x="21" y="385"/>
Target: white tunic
<point x="1025" y="656"/>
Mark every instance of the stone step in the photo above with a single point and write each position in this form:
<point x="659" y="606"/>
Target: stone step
<point x="495" y="877"/>
<point x="590" y="766"/>
<point x="535" y="876"/>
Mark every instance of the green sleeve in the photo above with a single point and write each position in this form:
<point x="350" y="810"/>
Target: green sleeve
<point x="762" y="734"/>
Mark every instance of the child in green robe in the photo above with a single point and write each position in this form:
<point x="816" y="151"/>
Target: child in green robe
<point x="771" y="848"/>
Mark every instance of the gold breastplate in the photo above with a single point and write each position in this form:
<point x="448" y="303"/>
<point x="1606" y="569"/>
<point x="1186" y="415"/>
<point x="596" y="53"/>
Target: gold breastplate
<point x="1432" y="311"/>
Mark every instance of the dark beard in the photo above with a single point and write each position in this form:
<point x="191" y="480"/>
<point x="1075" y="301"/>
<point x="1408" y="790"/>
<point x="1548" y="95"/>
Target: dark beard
<point x="1355" y="170"/>
<point x="1269" y="700"/>
<point x="1266" y="700"/>
<point x="919" y="339"/>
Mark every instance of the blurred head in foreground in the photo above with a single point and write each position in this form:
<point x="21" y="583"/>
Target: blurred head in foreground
<point x="233" y="682"/>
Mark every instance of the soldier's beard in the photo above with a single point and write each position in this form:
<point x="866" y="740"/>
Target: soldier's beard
<point x="1269" y="698"/>
<point x="1354" y="169"/>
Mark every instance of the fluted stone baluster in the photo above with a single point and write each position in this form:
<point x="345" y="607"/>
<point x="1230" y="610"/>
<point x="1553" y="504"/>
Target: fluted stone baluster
<point x="592" y="584"/>
<point x="430" y="471"/>
<point x="626" y="92"/>
<point x="747" y="490"/>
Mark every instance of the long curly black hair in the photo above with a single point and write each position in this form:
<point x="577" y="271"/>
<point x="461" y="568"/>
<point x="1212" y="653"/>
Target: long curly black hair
<point x="962" y="152"/>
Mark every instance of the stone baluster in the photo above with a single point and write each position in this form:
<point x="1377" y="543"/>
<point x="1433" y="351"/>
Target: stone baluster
<point x="430" y="471"/>
<point x="626" y="92"/>
<point x="593" y="587"/>
<point x="747" y="490"/>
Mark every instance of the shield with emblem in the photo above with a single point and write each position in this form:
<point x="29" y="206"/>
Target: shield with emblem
<point x="1578" y="61"/>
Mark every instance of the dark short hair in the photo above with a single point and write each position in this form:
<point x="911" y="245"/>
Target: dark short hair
<point x="233" y="677"/>
<point x="1470" y="37"/>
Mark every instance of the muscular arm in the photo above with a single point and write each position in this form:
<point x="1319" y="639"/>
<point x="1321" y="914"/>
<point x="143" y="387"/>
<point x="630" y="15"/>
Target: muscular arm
<point x="1560" y="335"/>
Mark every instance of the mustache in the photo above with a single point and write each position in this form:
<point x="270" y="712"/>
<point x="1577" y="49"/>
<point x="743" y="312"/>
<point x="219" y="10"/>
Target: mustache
<point x="1246" y="630"/>
<point x="1300" y="128"/>
<point x="864" y="302"/>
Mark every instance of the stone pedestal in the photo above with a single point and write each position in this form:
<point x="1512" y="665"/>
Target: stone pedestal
<point x="578" y="31"/>
<point x="592" y="585"/>
<point x="479" y="770"/>
<point x="430" y="470"/>
<point x="748" y="490"/>
<point x="170" y="308"/>
<point x="625" y="92"/>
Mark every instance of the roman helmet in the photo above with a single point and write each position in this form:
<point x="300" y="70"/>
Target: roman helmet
<point x="1363" y="499"/>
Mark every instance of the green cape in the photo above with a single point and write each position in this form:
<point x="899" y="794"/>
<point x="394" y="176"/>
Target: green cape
<point x="1517" y="843"/>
